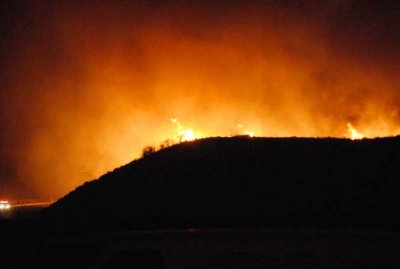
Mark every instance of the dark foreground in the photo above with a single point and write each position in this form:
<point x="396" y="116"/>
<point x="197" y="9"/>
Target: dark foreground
<point x="275" y="183"/>
<point x="225" y="203"/>
<point x="28" y="246"/>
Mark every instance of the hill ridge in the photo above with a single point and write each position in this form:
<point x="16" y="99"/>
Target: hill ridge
<point x="273" y="182"/>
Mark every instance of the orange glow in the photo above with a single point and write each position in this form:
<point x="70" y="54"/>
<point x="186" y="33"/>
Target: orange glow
<point x="246" y="132"/>
<point x="86" y="94"/>
<point x="251" y="134"/>
<point x="352" y="133"/>
<point x="185" y="134"/>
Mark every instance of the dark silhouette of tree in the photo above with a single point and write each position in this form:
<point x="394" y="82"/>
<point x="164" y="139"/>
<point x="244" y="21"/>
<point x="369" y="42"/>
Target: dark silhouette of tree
<point x="148" y="150"/>
<point x="167" y="143"/>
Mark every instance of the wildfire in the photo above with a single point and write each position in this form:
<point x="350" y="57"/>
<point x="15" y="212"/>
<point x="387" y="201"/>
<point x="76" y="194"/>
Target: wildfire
<point x="184" y="134"/>
<point x="352" y="133"/>
<point x="188" y="134"/>
<point x="246" y="132"/>
<point x="249" y="133"/>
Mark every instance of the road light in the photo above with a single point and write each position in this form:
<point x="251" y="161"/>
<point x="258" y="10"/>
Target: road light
<point x="5" y="205"/>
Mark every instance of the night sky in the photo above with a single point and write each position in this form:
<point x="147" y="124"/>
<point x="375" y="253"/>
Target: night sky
<point x="84" y="86"/>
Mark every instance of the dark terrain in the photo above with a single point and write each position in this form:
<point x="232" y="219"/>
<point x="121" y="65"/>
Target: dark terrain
<point x="245" y="182"/>
<point x="280" y="202"/>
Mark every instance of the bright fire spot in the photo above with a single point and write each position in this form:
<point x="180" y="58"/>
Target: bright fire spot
<point x="188" y="134"/>
<point x="184" y="134"/>
<point x="249" y="133"/>
<point x="352" y="133"/>
<point x="246" y="132"/>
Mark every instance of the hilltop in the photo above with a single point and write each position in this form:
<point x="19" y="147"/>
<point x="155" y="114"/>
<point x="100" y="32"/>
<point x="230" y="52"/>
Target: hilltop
<point x="244" y="182"/>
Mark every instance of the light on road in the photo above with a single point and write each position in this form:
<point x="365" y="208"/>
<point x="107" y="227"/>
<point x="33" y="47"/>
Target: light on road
<point x="4" y="205"/>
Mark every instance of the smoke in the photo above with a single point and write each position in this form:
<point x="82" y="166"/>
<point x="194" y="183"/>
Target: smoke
<point x="84" y="87"/>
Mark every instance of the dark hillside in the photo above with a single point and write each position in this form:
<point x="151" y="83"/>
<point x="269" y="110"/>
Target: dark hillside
<point x="245" y="182"/>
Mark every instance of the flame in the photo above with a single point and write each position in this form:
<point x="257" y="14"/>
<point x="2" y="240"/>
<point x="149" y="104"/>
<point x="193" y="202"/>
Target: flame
<point x="185" y="134"/>
<point x="249" y="133"/>
<point x="353" y="133"/>
<point x="188" y="134"/>
<point x="109" y="85"/>
<point x="246" y="132"/>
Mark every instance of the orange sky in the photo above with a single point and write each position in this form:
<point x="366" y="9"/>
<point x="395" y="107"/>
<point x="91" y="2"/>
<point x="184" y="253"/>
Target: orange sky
<point x="85" y="87"/>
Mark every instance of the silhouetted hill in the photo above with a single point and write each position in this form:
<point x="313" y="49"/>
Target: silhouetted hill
<point x="245" y="182"/>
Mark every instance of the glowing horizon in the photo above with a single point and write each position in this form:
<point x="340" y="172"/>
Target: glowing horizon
<point x="87" y="86"/>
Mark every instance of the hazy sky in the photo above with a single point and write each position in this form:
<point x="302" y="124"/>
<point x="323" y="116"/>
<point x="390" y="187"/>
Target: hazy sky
<point x="84" y="86"/>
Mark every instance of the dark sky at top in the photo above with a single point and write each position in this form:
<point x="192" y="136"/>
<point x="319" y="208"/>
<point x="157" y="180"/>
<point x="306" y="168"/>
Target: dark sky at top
<point x="85" y="85"/>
